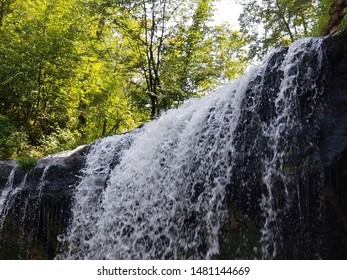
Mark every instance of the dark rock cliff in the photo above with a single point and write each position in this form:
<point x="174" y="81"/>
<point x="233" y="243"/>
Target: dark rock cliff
<point x="36" y="215"/>
<point x="333" y="142"/>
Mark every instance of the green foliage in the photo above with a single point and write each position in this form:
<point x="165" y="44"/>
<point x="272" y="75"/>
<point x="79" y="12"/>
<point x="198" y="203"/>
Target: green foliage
<point x="73" y="71"/>
<point x="322" y="17"/>
<point x="274" y="23"/>
<point x="36" y="57"/>
<point x="16" y="142"/>
<point x="176" y="50"/>
<point x="26" y="163"/>
<point x="12" y="138"/>
<point x="60" y="140"/>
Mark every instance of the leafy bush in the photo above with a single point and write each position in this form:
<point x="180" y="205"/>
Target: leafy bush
<point x="12" y="138"/>
<point x="16" y="142"/>
<point x="62" y="139"/>
<point x="26" y="163"/>
<point x="321" y="18"/>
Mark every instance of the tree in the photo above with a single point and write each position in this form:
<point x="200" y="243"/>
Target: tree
<point x="147" y="25"/>
<point x="72" y="71"/>
<point x="276" y="22"/>
<point x="337" y="14"/>
<point x="175" y="49"/>
<point x="102" y="86"/>
<point x="4" y="9"/>
<point x="58" y="72"/>
<point x="37" y="57"/>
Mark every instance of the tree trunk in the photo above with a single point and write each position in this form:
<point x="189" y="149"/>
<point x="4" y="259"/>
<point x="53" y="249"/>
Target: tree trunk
<point x="154" y="108"/>
<point x="104" y="128"/>
<point x="2" y="7"/>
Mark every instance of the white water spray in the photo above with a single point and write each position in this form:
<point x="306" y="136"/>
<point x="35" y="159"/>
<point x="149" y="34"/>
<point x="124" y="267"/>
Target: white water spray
<point x="281" y="129"/>
<point x="164" y="199"/>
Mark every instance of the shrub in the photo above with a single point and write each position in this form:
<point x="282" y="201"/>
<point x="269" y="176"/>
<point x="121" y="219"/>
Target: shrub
<point x="13" y="139"/>
<point x="26" y="163"/>
<point x="60" y="140"/>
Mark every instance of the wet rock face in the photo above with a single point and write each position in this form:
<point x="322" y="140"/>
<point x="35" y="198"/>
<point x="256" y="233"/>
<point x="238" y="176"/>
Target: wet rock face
<point x="250" y="142"/>
<point x="37" y="206"/>
<point x="318" y="170"/>
<point x="333" y="142"/>
<point x="334" y="124"/>
<point x="5" y="170"/>
<point x="277" y="174"/>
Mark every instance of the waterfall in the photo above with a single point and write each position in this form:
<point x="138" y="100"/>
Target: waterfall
<point x="29" y="221"/>
<point x="5" y="197"/>
<point x="235" y="174"/>
<point x="283" y="133"/>
<point x="161" y="194"/>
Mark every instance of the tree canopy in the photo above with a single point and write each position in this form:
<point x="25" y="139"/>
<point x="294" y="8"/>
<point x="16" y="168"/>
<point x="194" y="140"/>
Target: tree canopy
<point x="72" y="71"/>
<point x="275" y="23"/>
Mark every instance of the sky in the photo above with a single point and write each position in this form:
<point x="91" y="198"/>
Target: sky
<point x="227" y="10"/>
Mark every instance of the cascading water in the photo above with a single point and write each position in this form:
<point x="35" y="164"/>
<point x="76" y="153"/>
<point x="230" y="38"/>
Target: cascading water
<point x="283" y="133"/>
<point x="5" y="197"/>
<point x="277" y="160"/>
<point x="31" y="218"/>
<point x="164" y="197"/>
<point x="235" y="174"/>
